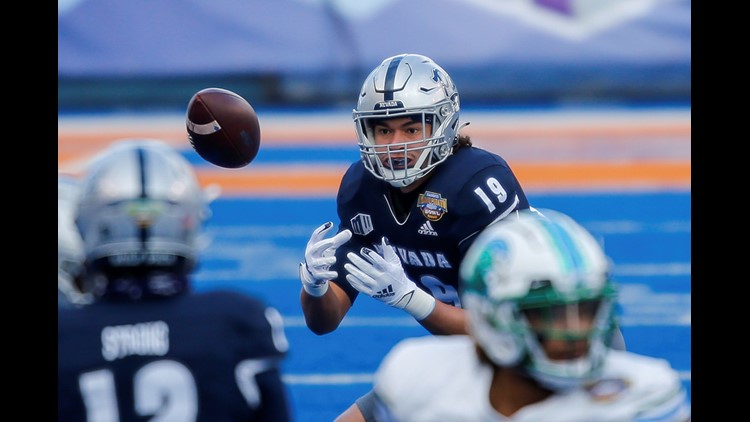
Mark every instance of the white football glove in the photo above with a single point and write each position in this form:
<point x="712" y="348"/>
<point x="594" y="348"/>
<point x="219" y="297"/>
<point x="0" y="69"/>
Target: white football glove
<point x="383" y="278"/>
<point x="319" y="256"/>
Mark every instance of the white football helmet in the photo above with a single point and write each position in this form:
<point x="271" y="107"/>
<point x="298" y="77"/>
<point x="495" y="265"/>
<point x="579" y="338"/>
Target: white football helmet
<point x="407" y="85"/>
<point x="141" y="216"/>
<point x="533" y="277"/>
<point x="70" y="254"/>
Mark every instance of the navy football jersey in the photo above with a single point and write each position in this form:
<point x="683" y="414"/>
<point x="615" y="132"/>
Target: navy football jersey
<point x="210" y="356"/>
<point x="467" y="192"/>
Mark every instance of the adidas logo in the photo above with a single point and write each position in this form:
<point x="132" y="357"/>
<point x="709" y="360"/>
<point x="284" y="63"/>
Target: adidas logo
<point x="427" y="229"/>
<point x="387" y="292"/>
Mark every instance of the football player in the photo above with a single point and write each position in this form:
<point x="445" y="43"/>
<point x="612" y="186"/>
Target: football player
<point x="149" y="347"/>
<point x="541" y="311"/>
<point x="409" y="209"/>
<point x="412" y="205"/>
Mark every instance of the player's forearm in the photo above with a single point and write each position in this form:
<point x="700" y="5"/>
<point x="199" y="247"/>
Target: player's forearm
<point x="324" y="314"/>
<point x="445" y="319"/>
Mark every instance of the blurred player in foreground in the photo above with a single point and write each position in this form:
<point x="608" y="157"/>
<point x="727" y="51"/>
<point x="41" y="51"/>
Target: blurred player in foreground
<point x="149" y="347"/>
<point x="69" y="245"/>
<point x="541" y="310"/>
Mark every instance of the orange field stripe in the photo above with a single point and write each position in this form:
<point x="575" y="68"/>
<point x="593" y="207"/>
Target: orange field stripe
<point x="274" y="182"/>
<point x="277" y="181"/>
<point x="612" y="174"/>
<point x="337" y="135"/>
<point x="77" y="140"/>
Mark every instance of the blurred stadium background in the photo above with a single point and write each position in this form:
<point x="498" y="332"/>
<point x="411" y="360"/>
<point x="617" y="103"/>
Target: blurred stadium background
<point x="589" y="101"/>
<point x="146" y="53"/>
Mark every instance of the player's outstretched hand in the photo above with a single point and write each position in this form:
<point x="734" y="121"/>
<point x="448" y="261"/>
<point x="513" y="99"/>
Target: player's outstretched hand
<point x="383" y="278"/>
<point x="320" y="254"/>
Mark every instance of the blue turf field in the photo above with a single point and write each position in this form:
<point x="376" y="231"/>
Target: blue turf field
<point x="257" y="244"/>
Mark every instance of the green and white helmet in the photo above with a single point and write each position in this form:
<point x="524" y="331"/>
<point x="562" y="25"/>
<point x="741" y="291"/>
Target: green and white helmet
<point x="539" y="266"/>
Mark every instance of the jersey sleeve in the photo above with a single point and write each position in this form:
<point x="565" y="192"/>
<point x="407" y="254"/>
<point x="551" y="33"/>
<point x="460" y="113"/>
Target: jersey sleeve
<point x="665" y="399"/>
<point x="258" y="374"/>
<point x="254" y="319"/>
<point x="432" y="378"/>
<point x="397" y="375"/>
<point x="655" y="391"/>
<point x="489" y="195"/>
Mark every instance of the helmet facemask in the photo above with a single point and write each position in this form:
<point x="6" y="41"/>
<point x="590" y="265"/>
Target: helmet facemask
<point x="401" y="163"/>
<point x="407" y="86"/>
<point x="561" y="344"/>
<point x="566" y="338"/>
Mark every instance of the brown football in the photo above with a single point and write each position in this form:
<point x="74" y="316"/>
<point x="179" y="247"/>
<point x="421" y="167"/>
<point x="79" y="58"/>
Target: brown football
<point x="223" y="128"/>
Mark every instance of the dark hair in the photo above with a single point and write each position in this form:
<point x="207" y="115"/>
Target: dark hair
<point x="463" y="141"/>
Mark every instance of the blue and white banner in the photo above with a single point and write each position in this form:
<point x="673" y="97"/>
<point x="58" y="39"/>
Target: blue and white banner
<point x="502" y="43"/>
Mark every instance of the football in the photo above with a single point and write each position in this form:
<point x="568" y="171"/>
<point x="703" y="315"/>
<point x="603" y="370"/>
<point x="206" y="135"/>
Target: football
<point x="223" y="128"/>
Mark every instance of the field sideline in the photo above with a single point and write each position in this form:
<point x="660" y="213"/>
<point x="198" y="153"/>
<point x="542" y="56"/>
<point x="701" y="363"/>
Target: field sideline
<point x="304" y="155"/>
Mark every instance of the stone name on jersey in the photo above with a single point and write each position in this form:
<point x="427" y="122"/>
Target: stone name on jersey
<point x="142" y="339"/>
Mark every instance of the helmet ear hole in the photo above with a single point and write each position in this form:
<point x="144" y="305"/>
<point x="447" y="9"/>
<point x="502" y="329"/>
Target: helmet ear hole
<point x="501" y="346"/>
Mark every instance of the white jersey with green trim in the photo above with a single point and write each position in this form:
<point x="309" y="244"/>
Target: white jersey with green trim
<point x="440" y="378"/>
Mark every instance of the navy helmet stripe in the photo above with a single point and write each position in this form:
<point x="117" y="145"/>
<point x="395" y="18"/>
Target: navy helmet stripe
<point x="390" y="78"/>
<point x="142" y="169"/>
<point x="143" y="232"/>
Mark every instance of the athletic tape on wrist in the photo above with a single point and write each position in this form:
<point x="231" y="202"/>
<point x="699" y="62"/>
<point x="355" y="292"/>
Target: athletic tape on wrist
<point x="307" y="279"/>
<point x="417" y="303"/>
<point x="316" y="291"/>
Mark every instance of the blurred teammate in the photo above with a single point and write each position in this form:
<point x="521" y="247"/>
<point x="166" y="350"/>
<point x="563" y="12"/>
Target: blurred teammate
<point x="69" y="245"/>
<point x="149" y="348"/>
<point x="541" y="310"/>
